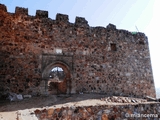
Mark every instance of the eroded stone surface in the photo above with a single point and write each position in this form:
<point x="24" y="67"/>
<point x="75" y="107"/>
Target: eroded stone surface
<point x="100" y="60"/>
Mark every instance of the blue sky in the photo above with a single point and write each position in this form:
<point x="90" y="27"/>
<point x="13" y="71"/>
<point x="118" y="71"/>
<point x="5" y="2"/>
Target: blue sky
<point x="125" y="14"/>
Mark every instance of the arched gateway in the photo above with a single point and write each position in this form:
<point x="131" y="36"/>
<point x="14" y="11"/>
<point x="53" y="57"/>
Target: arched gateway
<point x="58" y="78"/>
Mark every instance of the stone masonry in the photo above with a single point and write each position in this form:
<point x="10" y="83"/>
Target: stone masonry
<point x="104" y="112"/>
<point x="94" y="59"/>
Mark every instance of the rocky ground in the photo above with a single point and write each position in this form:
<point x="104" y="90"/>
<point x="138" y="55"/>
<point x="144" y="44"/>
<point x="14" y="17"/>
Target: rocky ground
<point x="10" y="110"/>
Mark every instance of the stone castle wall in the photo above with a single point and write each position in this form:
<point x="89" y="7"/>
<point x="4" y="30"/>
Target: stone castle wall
<point x="99" y="60"/>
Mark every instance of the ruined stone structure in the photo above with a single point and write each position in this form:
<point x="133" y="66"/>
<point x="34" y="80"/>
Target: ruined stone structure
<point x="103" y="112"/>
<point x="91" y="59"/>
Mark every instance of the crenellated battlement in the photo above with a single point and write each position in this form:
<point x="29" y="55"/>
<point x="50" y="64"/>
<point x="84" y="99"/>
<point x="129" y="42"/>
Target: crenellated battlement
<point x="3" y="7"/>
<point x="21" y="11"/>
<point x="111" y="26"/>
<point x="79" y="21"/>
<point x="41" y="14"/>
<point x="62" y="17"/>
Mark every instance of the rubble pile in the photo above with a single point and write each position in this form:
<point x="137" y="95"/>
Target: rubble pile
<point x="117" y="99"/>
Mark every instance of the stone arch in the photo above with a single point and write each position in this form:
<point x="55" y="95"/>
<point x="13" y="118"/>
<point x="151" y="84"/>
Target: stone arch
<point x="58" y="87"/>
